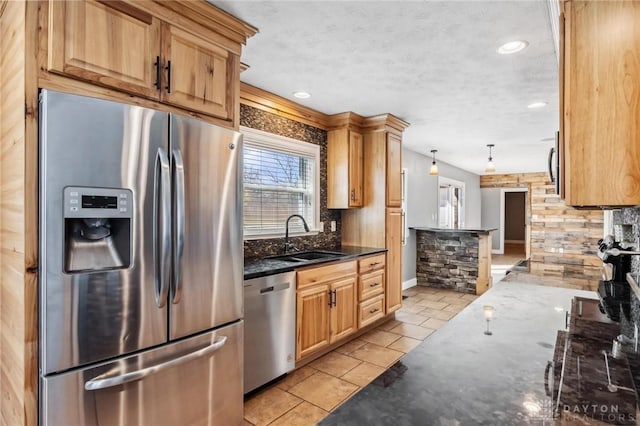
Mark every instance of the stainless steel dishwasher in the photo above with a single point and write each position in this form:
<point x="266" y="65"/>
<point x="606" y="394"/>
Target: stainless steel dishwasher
<point x="269" y="328"/>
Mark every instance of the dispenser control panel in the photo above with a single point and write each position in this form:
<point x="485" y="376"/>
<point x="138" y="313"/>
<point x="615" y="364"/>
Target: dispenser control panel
<point x="85" y="202"/>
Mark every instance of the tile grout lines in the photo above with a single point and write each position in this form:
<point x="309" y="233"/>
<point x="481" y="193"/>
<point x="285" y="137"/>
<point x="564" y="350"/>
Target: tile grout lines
<point x="422" y="314"/>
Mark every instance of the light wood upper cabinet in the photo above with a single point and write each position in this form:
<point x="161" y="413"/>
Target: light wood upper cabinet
<point x="344" y="310"/>
<point x="198" y="73"/>
<point x="312" y="319"/>
<point x="393" y="293"/>
<point x="168" y="58"/>
<point x="394" y="170"/>
<point x="111" y="44"/>
<point x="344" y="169"/>
<point x="601" y="102"/>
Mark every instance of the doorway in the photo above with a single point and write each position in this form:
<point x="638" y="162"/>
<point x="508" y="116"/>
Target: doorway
<point x="515" y="224"/>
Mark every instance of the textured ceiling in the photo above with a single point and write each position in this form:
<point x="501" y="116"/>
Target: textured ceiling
<point x="431" y="63"/>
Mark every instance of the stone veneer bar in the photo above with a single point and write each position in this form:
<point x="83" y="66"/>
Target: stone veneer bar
<point x="457" y="259"/>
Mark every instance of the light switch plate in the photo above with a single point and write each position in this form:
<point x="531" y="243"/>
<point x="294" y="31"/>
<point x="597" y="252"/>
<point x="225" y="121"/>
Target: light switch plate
<point x="333" y="226"/>
<point x="321" y="226"/>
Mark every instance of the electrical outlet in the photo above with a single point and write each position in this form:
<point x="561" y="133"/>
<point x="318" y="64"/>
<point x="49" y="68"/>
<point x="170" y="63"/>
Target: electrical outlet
<point x="333" y="226"/>
<point x="321" y="226"/>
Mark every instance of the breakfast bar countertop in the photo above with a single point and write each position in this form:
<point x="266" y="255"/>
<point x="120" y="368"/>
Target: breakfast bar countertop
<point x="264" y="266"/>
<point x="470" y="230"/>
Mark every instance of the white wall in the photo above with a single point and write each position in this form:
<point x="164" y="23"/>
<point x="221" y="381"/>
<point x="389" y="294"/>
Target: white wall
<point x="422" y="201"/>
<point x="491" y="198"/>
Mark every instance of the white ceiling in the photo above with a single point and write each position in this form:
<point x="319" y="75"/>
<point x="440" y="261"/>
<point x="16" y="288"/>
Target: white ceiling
<point x="432" y="63"/>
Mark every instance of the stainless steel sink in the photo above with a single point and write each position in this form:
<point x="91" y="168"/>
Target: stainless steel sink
<point x="304" y="256"/>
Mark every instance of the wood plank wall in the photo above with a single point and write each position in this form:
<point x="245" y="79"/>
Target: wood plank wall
<point x="563" y="239"/>
<point x="18" y="235"/>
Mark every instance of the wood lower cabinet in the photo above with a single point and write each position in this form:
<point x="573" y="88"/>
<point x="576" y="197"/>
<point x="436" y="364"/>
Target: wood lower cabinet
<point x="600" y="102"/>
<point x="312" y="319"/>
<point x="370" y="311"/>
<point x="343" y="312"/>
<point x="344" y="169"/>
<point x="111" y="44"/>
<point x="393" y="291"/>
<point x="326" y="308"/>
<point x="198" y="73"/>
<point x="371" y="289"/>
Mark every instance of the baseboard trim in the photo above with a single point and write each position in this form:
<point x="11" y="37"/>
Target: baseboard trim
<point x="409" y="283"/>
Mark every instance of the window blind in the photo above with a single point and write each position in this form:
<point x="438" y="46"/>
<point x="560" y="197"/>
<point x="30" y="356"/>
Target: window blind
<point x="277" y="184"/>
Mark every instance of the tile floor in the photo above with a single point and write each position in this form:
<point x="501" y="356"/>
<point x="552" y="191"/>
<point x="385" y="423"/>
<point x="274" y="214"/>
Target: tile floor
<point x="307" y="395"/>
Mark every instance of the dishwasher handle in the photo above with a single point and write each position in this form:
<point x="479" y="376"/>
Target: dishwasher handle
<point x="275" y="288"/>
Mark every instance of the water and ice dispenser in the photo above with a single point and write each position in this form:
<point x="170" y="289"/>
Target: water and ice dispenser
<point x="97" y="229"/>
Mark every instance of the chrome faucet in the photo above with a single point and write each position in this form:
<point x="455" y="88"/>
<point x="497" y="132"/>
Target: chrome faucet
<point x="287" y="245"/>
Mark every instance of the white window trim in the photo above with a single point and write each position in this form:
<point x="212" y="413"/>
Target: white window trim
<point x="452" y="182"/>
<point x="282" y="143"/>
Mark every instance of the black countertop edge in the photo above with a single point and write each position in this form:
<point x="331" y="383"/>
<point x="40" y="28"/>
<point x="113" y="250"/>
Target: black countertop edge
<point x="450" y="230"/>
<point x="262" y="267"/>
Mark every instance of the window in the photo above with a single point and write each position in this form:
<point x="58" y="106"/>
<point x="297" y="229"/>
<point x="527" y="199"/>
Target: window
<point x="281" y="178"/>
<point x="450" y="203"/>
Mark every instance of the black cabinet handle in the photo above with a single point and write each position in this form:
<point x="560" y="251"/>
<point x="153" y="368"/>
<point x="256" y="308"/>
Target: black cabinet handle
<point x="168" y="68"/>
<point x="550" y="164"/>
<point x="374" y="285"/>
<point x="157" y="65"/>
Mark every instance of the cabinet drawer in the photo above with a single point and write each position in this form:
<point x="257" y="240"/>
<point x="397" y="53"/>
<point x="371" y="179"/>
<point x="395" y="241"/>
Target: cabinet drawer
<point x="370" y="285"/>
<point x="370" y="311"/>
<point x="371" y="263"/>
<point x="321" y="274"/>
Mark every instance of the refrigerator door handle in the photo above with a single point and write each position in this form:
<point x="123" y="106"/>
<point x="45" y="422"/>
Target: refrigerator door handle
<point x="179" y="217"/>
<point x="104" y="381"/>
<point x="161" y="227"/>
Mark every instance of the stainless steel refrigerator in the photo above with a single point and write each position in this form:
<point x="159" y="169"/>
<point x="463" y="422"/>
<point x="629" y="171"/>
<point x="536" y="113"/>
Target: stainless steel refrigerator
<point x="141" y="266"/>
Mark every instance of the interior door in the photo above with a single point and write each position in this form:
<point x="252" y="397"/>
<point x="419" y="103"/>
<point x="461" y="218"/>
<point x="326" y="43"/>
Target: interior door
<point x="92" y="315"/>
<point x="207" y="231"/>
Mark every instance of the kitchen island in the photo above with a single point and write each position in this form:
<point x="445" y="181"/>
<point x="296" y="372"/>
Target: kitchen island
<point x="460" y="376"/>
<point x="457" y="259"/>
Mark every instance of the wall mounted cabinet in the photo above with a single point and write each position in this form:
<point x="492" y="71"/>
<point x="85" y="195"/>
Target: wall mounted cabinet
<point x="344" y="169"/>
<point x="600" y="102"/>
<point x="121" y="46"/>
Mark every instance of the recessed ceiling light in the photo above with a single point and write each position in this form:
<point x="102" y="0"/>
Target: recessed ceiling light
<point x="302" y="95"/>
<point x="537" y="105"/>
<point x="512" y="47"/>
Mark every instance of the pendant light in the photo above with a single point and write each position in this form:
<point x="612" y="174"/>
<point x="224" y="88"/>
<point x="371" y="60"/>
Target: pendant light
<point x="433" y="171"/>
<point x="490" y="166"/>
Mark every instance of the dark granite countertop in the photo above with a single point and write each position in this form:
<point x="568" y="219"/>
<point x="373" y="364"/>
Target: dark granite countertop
<point x="460" y="376"/>
<point x="451" y="230"/>
<point x="262" y="267"/>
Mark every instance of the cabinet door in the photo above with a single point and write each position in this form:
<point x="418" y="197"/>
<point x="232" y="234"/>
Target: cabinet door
<point x="355" y="169"/>
<point x="393" y="294"/>
<point x="602" y="103"/>
<point x="312" y="320"/>
<point x="112" y="44"/>
<point x="199" y="73"/>
<point x="344" y="320"/>
<point x="394" y="170"/>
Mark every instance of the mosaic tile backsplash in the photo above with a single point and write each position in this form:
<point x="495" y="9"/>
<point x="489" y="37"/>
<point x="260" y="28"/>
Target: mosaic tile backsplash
<point x="272" y="123"/>
<point x="630" y="216"/>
